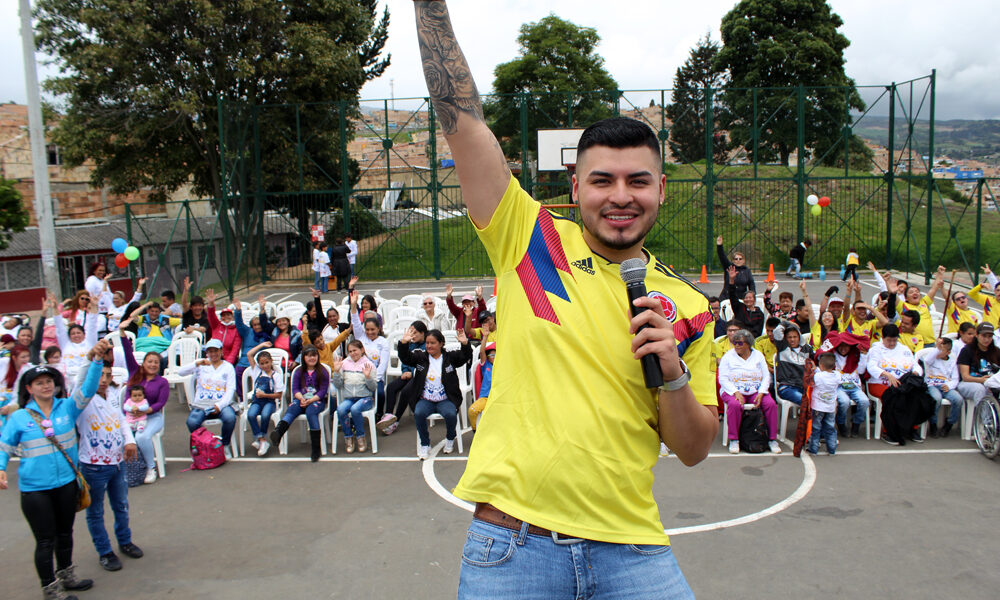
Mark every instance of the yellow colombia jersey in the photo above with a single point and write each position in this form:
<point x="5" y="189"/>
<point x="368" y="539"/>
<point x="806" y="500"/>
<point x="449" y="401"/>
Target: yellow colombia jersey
<point x="868" y="329"/>
<point x="767" y="348"/>
<point x="957" y="316"/>
<point x="991" y="309"/>
<point x="913" y="341"/>
<point x="924" y="327"/>
<point x="569" y="437"/>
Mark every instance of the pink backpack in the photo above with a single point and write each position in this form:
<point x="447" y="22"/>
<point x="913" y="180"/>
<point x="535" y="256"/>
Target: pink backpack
<point x="206" y="450"/>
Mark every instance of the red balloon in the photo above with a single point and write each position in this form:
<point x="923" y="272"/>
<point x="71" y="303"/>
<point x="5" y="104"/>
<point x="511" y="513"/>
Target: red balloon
<point x="824" y="201"/>
<point x="121" y="262"/>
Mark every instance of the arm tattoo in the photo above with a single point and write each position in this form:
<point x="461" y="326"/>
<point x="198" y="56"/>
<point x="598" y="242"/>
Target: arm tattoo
<point x="446" y="71"/>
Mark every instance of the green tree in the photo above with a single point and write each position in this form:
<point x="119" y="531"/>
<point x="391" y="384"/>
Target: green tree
<point x="784" y="44"/>
<point x="687" y="105"/>
<point x="13" y="216"/>
<point x="141" y="82"/>
<point x="561" y="77"/>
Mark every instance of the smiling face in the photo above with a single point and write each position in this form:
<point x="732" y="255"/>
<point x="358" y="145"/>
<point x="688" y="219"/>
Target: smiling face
<point x="827" y="319"/>
<point x="619" y="192"/>
<point x="118" y="299"/>
<point x="151" y="364"/>
<point x="24" y="336"/>
<point x="913" y="294"/>
<point x="153" y="313"/>
<point x="433" y="346"/>
<point x="749" y="300"/>
<point x="355" y="353"/>
<point x="100" y="271"/>
<point x="76" y="335"/>
<point x="371" y="330"/>
<point x="310" y="360"/>
<point x="890" y="342"/>
<point x="42" y="387"/>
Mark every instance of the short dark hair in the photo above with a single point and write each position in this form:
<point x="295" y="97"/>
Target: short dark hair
<point x="946" y="340"/>
<point x="133" y="388"/>
<point x="735" y="323"/>
<point x="419" y="326"/>
<point x="890" y="330"/>
<point x="965" y="326"/>
<point x="772" y="322"/>
<point x="800" y="303"/>
<point x="197" y="300"/>
<point x="50" y="352"/>
<point x="618" y="133"/>
<point x="712" y="299"/>
<point x="168" y="294"/>
<point x="436" y="334"/>
<point x="914" y="316"/>
<point x="827" y="359"/>
<point x="807" y="242"/>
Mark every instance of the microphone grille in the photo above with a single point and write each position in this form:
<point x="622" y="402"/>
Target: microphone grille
<point x="633" y="270"/>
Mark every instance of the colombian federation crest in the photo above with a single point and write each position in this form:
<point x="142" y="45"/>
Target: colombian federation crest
<point x="669" y="308"/>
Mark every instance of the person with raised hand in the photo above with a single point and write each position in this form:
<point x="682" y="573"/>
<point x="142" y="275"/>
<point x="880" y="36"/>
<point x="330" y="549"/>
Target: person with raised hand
<point x="376" y="346"/>
<point x="157" y="390"/>
<point x="310" y="391"/>
<point x="355" y="377"/>
<point x="43" y="433"/>
<point x="214" y="389"/>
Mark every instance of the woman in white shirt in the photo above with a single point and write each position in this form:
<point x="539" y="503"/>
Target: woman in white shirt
<point x="888" y="361"/>
<point x="376" y="346"/>
<point x="743" y="380"/>
<point x="431" y="316"/>
<point x="97" y="286"/>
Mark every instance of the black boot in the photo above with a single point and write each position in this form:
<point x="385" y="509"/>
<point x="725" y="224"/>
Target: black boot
<point x="278" y="432"/>
<point x="314" y="439"/>
<point x="855" y="428"/>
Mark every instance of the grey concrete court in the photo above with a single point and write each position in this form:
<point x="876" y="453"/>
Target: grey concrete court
<point x="872" y="522"/>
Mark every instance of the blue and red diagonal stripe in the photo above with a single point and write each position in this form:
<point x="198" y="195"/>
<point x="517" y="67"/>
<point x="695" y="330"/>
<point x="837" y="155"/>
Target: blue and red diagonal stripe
<point x="687" y="331"/>
<point x="540" y="266"/>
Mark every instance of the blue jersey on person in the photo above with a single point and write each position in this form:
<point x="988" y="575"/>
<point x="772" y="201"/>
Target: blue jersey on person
<point x="249" y="337"/>
<point x="42" y="466"/>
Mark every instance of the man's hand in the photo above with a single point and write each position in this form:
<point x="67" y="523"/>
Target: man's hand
<point x="657" y="339"/>
<point x="261" y="302"/>
<point x="187" y="284"/>
<point x="802" y="286"/>
<point x="986" y="269"/>
<point x="99" y="350"/>
<point x="237" y="304"/>
<point x="210" y="297"/>
<point x="131" y="452"/>
<point x="142" y="282"/>
<point x="408" y="335"/>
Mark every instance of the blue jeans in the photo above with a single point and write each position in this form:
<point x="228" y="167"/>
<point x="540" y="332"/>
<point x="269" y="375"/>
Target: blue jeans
<point x="956" y="404"/>
<point x="262" y="409"/>
<point x="794" y="268"/>
<point x="312" y="413"/>
<point x="790" y="393"/>
<point x="823" y="426"/>
<point x="154" y="425"/>
<point x="426" y="408"/>
<point x="316" y="281"/>
<point x="499" y="563"/>
<point x="349" y="412"/>
<point x="228" y="417"/>
<point x="844" y="397"/>
<point x="110" y="479"/>
<point x="324" y="284"/>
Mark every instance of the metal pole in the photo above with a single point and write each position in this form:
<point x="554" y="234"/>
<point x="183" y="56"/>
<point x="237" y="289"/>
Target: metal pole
<point x="709" y="180"/>
<point x="930" y="184"/>
<point x="525" y="172"/>
<point x="345" y="184"/>
<point x="435" y="188"/>
<point x="800" y="173"/>
<point x="755" y="133"/>
<point x="890" y="176"/>
<point x="979" y="230"/>
<point x="39" y="160"/>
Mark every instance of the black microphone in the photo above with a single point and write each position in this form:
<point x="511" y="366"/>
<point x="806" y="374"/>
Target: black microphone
<point x="633" y="273"/>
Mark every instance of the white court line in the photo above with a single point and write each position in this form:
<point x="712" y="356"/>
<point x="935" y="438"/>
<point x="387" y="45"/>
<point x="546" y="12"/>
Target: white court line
<point x="282" y="299"/>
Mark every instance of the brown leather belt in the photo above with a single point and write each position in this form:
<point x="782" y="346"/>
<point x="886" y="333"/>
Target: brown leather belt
<point x="494" y="516"/>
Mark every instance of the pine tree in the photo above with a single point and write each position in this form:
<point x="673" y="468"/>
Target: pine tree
<point x="687" y="107"/>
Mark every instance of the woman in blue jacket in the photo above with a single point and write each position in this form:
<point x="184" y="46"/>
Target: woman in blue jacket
<point x="45" y="477"/>
<point x="251" y="337"/>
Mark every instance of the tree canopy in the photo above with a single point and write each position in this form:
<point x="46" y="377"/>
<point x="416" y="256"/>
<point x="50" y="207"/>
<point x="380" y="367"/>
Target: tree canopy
<point x="13" y="216"/>
<point x="559" y="69"/>
<point x="782" y="44"/>
<point x="687" y="105"/>
<point x="142" y="81"/>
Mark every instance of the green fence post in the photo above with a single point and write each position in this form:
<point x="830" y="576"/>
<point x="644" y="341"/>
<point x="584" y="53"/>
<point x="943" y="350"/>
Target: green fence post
<point x="979" y="230"/>
<point x="525" y="172"/>
<point x="890" y="176"/>
<point x="300" y="148"/>
<point x="800" y="172"/>
<point x="128" y="235"/>
<point x="930" y="183"/>
<point x="227" y="240"/>
<point x="345" y="184"/>
<point x="755" y="133"/>
<point x="433" y="186"/>
<point x="187" y="227"/>
<point x="259" y="196"/>
<point x="709" y="179"/>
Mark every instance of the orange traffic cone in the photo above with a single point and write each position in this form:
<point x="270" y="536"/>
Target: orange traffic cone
<point x="704" y="274"/>
<point x="770" y="272"/>
<point x="494" y="286"/>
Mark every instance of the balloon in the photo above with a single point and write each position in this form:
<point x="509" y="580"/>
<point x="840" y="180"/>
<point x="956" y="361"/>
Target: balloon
<point x="131" y="253"/>
<point x="812" y="199"/>
<point x="119" y="245"/>
<point x="816" y="210"/>
<point x="121" y="262"/>
<point x="824" y="201"/>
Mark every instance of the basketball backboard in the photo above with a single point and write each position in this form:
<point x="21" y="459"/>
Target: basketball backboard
<point x="557" y="148"/>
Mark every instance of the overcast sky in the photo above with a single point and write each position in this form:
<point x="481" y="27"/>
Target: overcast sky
<point x="644" y="41"/>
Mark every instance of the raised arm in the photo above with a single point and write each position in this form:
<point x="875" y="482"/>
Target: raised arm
<point x="479" y="161"/>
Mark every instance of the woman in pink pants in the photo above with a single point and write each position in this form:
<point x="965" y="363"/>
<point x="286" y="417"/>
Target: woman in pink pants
<point x="744" y="380"/>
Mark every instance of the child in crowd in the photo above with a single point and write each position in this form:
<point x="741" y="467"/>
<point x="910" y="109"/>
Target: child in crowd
<point x="485" y="377"/>
<point x="53" y="357"/>
<point x="356" y="376"/>
<point x="268" y="385"/>
<point x="941" y="376"/>
<point x="851" y="262"/>
<point x="136" y="401"/>
<point x="826" y="381"/>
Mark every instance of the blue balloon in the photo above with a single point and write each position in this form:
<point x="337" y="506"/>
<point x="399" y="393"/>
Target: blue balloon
<point x="119" y="245"/>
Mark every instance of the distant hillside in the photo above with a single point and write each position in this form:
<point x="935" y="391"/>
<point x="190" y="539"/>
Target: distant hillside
<point x="963" y="139"/>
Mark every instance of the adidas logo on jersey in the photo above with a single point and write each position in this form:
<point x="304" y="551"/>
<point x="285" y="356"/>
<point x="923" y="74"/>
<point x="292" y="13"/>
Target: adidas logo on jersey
<point x="584" y="264"/>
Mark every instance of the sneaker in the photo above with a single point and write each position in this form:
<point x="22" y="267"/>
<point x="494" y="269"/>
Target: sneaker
<point x="449" y="446"/>
<point x="944" y="431"/>
<point x="385" y="422"/>
<point x="111" y="562"/>
<point x="349" y="445"/>
<point x="734" y="446"/>
<point x="131" y="550"/>
<point x="831" y="452"/>
<point x="915" y="436"/>
<point x="264" y="447"/>
<point x="842" y="430"/>
<point x="391" y="428"/>
<point x="228" y="453"/>
<point x="423" y="452"/>
<point x="664" y="451"/>
<point x="933" y="430"/>
<point x="255" y="444"/>
<point x="889" y="440"/>
<point x="150" y="476"/>
<point x="362" y="443"/>
<point x="774" y="447"/>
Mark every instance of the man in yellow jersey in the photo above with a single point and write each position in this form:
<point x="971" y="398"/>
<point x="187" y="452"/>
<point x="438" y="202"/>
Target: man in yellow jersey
<point x="862" y="319"/>
<point x="959" y="312"/>
<point x="989" y="302"/>
<point x="765" y="343"/>
<point x="909" y="327"/>
<point x="561" y="468"/>
<point x="912" y="300"/>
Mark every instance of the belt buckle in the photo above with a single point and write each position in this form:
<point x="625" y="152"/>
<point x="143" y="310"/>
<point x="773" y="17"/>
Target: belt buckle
<point x="564" y="541"/>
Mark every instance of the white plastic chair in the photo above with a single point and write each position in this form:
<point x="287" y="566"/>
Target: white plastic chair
<point x="491" y="304"/>
<point x="234" y="447"/>
<point x="877" y="402"/>
<point x="386" y="308"/>
<point x="282" y="308"/>
<point x="294" y="314"/>
<point x="323" y="416"/>
<point x="413" y="300"/>
<point x="182" y="351"/>
<point x="369" y="416"/>
<point x="395" y="368"/>
<point x="402" y="317"/>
